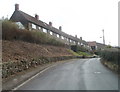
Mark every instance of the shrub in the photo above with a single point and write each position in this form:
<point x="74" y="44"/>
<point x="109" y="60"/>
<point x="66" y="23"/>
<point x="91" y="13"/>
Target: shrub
<point x="76" y="48"/>
<point x="12" y="32"/>
<point x="110" y="55"/>
<point x="9" y="30"/>
<point x="84" y="53"/>
<point x="55" y="42"/>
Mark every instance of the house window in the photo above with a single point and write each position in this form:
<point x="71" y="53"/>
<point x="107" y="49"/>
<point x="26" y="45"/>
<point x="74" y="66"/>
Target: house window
<point x="58" y="35"/>
<point x="62" y="37"/>
<point x="67" y="39"/>
<point x="44" y="30"/>
<point x="20" y="25"/>
<point x="50" y="33"/>
<point x="33" y="26"/>
<point x="39" y="28"/>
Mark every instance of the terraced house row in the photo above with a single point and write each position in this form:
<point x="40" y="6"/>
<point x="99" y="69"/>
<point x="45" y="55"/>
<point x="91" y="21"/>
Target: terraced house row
<point x="29" y="22"/>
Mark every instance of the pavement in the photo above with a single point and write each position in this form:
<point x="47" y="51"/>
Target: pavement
<point x="77" y="74"/>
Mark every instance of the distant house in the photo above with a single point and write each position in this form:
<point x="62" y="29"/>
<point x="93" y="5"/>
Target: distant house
<point x="92" y="45"/>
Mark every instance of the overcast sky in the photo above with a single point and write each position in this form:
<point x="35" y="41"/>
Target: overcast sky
<point x="84" y="18"/>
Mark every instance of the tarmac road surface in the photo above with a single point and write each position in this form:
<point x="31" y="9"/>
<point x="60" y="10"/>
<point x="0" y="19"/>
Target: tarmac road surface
<point x="77" y="74"/>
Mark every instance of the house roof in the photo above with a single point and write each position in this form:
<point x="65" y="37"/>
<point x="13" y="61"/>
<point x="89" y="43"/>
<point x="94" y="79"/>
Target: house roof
<point x="22" y="16"/>
<point x="30" y="19"/>
<point x="100" y="45"/>
<point x="93" y="43"/>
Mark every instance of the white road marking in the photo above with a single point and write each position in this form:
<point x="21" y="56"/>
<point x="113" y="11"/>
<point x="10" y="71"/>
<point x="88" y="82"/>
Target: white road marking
<point x="97" y="72"/>
<point x="32" y="77"/>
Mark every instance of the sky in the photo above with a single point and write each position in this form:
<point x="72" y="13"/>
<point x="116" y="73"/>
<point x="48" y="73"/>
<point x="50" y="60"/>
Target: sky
<point x="84" y="18"/>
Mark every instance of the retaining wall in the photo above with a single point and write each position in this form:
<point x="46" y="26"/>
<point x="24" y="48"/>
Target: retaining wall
<point x="10" y="68"/>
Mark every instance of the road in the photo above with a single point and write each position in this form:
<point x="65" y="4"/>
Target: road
<point x="78" y="74"/>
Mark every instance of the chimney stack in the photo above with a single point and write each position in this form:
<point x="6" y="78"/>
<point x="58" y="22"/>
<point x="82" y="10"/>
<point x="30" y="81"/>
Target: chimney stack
<point x="60" y="28"/>
<point x="16" y="7"/>
<point x="37" y="16"/>
<point x="50" y="24"/>
<point x="76" y="36"/>
<point x="81" y="38"/>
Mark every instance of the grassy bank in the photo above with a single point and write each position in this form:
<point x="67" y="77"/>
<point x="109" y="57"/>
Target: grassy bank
<point x="81" y="51"/>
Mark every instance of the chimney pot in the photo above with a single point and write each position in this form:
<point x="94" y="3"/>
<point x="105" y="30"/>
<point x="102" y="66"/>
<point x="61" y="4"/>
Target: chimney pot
<point x="37" y="16"/>
<point x="16" y="7"/>
<point x="60" y="28"/>
<point x="80" y="38"/>
<point x="76" y="36"/>
<point x="50" y="23"/>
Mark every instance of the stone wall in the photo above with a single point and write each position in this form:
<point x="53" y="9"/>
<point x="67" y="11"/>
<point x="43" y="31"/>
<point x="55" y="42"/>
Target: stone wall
<point x="11" y="68"/>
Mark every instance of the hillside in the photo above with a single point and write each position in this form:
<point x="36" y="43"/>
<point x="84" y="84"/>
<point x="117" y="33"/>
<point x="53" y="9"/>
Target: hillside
<point x="19" y="50"/>
<point x="19" y="44"/>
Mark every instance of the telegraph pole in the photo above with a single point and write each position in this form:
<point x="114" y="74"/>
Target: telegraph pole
<point x="103" y="37"/>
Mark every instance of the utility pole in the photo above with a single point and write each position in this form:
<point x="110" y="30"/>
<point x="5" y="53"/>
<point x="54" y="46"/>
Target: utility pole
<point x="103" y="37"/>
